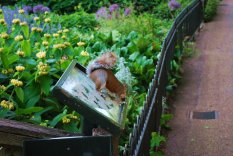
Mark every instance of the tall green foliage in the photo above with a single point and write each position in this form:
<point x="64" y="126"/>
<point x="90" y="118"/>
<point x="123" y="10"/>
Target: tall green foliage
<point x="211" y="9"/>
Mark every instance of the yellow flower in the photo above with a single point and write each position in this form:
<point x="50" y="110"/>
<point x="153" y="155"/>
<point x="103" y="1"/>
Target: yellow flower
<point x="43" y="72"/>
<point x="19" y="38"/>
<point x="63" y="37"/>
<point x="59" y="32"/>
<point x="10" y="70"/>
<point x="11" y="106"/>
<point x="65" y="120"/>
<point x="36" y="18"/>
<point x="84" y="53"/>
<point x="46" y="12"/>
<point x="37" y="44"/>
<point x="43" y="68"/>
<point x="47" y="20"/>
<point x="67" y="43"/>
<point x="39" y="30"/>
<point x="45" y="43"/>
<point x="16" y="21"/>
<point x="23" y="23"/>
<point x="81" y="43"/>
<point x="16" y="82"/>
<point x="21" y="11"/>
<point x="33" y="28"/>
<point x="4" y="35"/>
<point x="43" y="124"/>
<point x="20" y="53"/>
<point x="7" y="104"/>
<point x="41" y="55"/>
<point x="59" y="46"/>
<point x="55" y="35"/>
<point x="74" y="117"/>
<point x="66" y="30"/>
<point x="2" y="21"/>
<point x="2" y="88"/>
<point x="47" y="35"/>
<point x="4" y="71"/>
<point x="1" y="50"/>
<point x="20" y="68"/>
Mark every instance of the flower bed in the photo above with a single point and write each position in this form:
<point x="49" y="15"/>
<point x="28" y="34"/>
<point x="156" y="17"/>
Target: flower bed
<point x="36" y="48"/>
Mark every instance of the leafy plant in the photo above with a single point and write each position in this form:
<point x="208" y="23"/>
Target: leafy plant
<point x="210" y="10"/>
<point x="31" y="61"/>
<point x="36" y="49"/>
<point x="156" y="140"/>
<point x="164" y="119"/>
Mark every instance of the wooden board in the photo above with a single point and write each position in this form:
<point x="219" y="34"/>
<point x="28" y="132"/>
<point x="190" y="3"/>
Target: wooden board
<point x="14" y="132"/>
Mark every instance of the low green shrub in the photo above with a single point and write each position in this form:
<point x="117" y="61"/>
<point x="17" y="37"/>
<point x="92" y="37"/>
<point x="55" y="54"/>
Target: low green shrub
<point x="81" y="20"/>
<point x="211" y="10"/>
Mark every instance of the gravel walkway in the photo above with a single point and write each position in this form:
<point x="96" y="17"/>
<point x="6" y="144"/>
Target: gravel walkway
<point x="207" y="85"/>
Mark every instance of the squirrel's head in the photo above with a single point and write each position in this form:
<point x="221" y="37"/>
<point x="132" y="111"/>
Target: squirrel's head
<point x="108" y="58"/>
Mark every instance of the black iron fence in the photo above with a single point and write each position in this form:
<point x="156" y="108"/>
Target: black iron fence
<point x="185" y="25"/>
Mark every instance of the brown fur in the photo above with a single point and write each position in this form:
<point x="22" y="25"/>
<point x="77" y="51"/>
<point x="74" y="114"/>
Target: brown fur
<point x="104" y="77"/>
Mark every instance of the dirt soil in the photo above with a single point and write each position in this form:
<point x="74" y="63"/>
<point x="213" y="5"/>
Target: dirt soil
<point x="207" y="85"/>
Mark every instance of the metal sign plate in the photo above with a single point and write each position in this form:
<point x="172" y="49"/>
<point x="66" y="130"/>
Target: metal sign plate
<point x="77" y="90"/>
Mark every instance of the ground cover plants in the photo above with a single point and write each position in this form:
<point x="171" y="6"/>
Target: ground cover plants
<point x="211" y="9"/>
<point x="37" y="45"/>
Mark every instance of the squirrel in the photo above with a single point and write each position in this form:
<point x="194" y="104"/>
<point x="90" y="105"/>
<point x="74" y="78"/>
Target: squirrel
<point x="101" y="74"/>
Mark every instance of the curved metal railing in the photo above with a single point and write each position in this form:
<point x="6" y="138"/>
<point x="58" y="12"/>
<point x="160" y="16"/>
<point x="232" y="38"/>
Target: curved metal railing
<point x="185" y="25"/>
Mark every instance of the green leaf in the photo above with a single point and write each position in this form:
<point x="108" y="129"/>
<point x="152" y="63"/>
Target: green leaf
<point x="32" y="91"/>
<point x="36" y="119"/>
<point x="25" y="30"/>
<point x="132" y="47"/>
<point x="28" y="111"/>
<point x="133" y="56"/>
<point x="71" y="127"/>
<point x="5" y="113"/>
<point x="19" y="93"/>
<point x="5" y="61"/>
<point x="115" y="35"/>
<point x="27" y="75"/>
<point x="165" y="118"/>
<point x="44" y="110"/>
<point x="52" y="102"/>
<point x="77" y="51"/>
<point x="26" y="47"/>
<point x="156" y="139"/>
<point x="132" y="35"/>
<point x="32" y="101"/>
<point x="58" y="118"/>
<point x="12" y="58"/>
<point x="45" y="82"/>
<point x="69" y="51"/>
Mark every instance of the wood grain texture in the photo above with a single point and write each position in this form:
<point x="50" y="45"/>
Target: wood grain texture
<point x="14" y="132"/>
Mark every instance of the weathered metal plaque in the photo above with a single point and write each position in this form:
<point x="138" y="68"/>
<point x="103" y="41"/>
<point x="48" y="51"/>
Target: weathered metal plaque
<point x="77" y="90"/>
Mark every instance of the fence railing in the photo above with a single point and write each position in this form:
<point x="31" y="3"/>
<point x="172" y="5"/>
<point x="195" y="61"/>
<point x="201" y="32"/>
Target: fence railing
<point x="185" y="25"/>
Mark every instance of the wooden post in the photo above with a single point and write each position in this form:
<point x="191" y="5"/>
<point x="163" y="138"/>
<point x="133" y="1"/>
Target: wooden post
<point x="115" y="143"/>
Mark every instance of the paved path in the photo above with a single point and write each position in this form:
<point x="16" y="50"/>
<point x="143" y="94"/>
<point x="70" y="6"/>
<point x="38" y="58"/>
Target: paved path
<point x="207" y="85"/>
